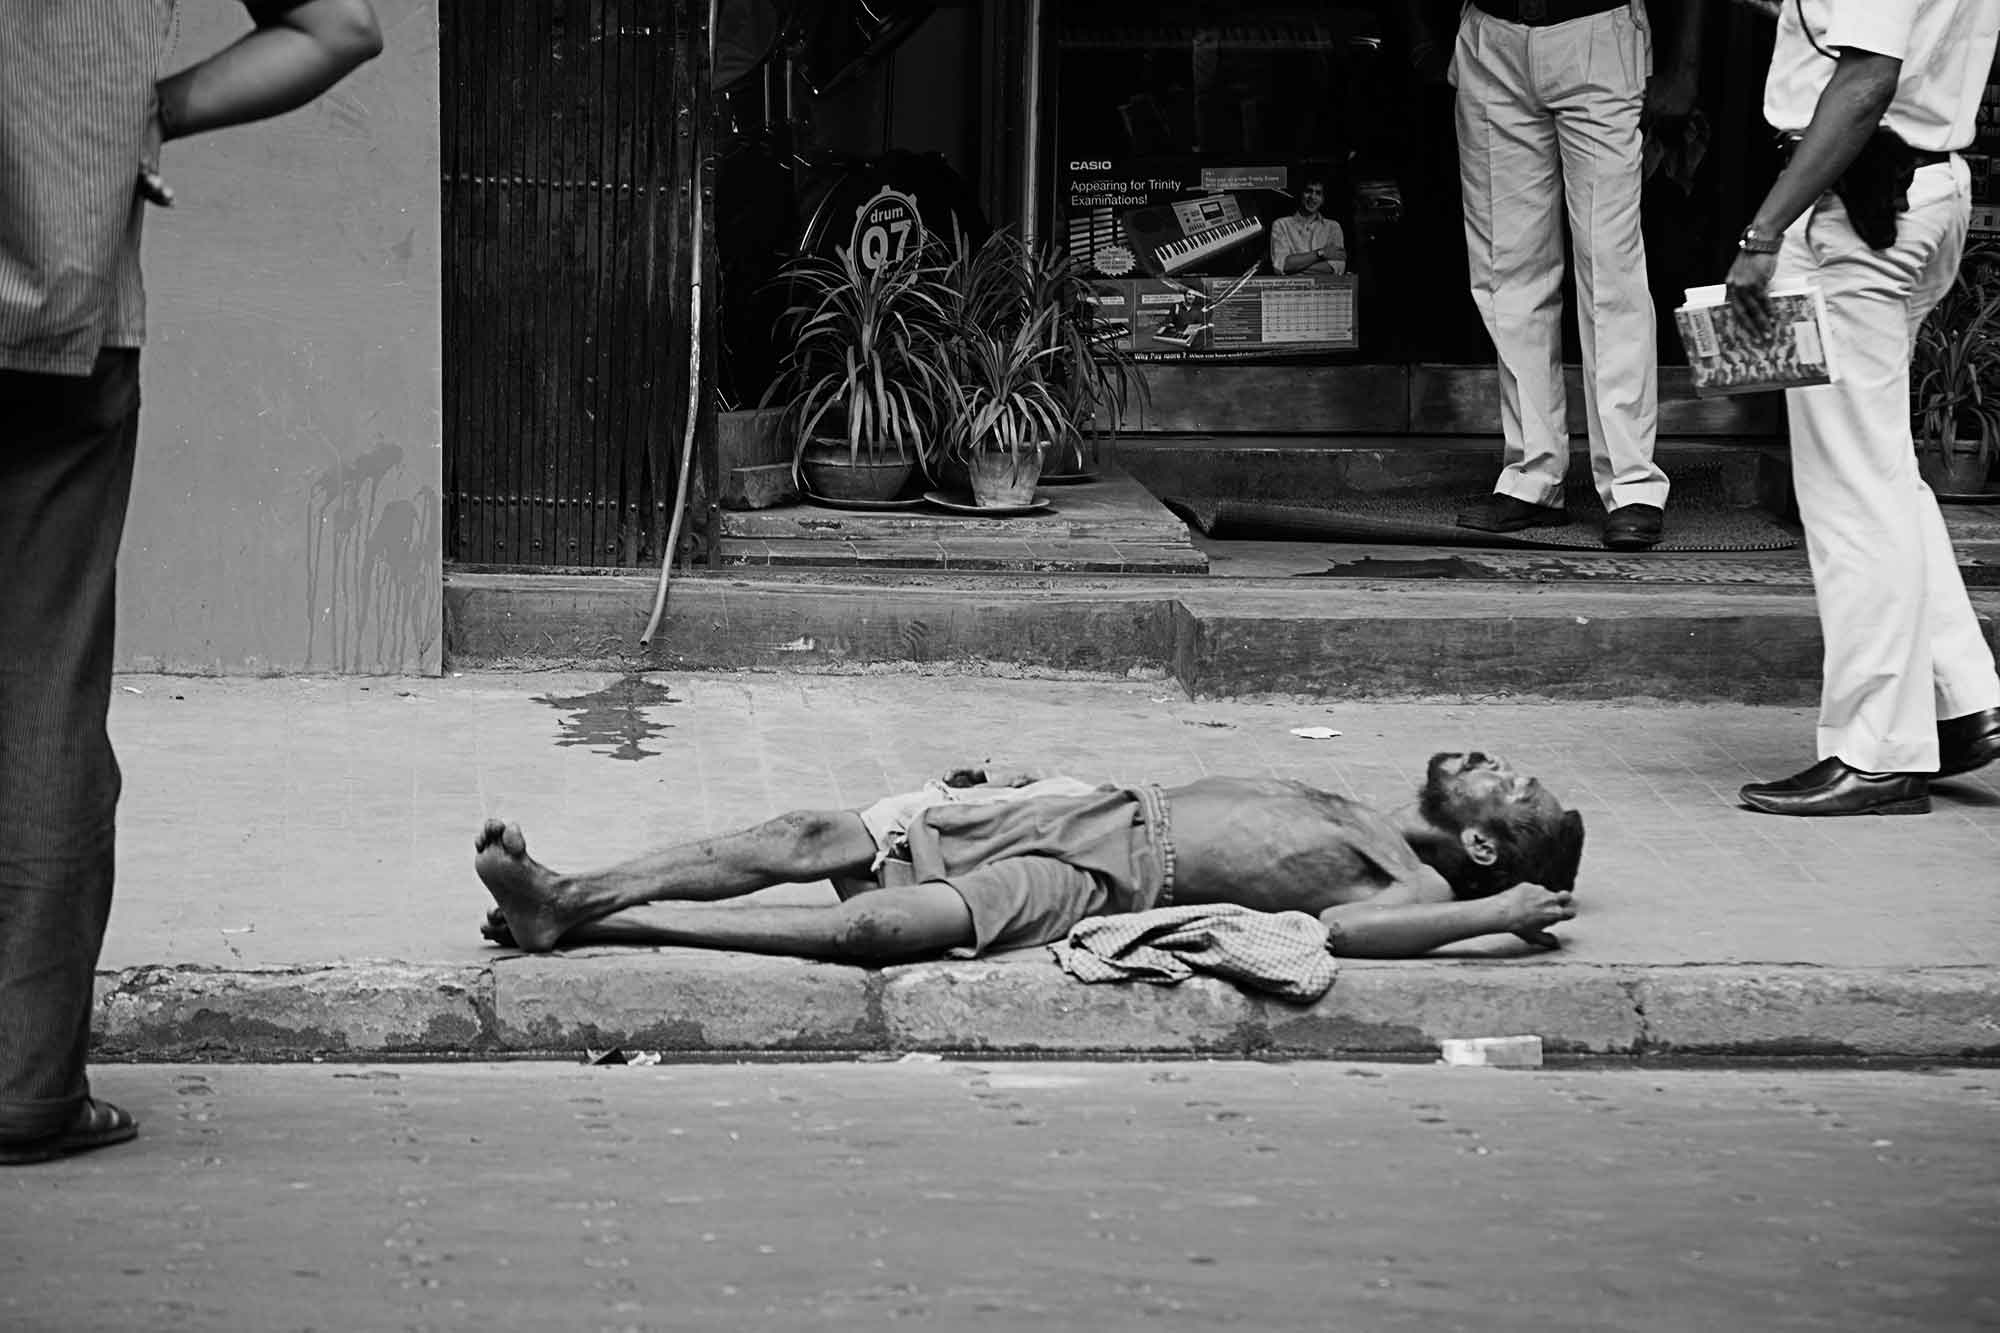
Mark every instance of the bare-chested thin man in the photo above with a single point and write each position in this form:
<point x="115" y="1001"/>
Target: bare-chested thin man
<point x="1484" y="850"/>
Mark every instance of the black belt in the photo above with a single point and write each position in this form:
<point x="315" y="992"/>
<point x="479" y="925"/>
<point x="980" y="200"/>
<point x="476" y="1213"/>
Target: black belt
<point x="1543" y="13"/>
<point x="1788" y="144"/>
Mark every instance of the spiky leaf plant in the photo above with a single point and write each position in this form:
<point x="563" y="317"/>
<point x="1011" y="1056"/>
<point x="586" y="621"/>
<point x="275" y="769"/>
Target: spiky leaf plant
<point x="860" y="360"/>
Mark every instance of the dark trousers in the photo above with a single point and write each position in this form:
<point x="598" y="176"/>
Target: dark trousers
<point x="66" y="448"/>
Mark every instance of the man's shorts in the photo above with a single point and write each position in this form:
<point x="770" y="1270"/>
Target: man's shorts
<point x="1030" y="868"/>
<point x="888" y="820"/>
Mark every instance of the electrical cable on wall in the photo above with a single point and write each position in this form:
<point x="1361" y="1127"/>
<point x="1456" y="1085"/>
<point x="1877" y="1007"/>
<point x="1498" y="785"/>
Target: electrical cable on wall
<point x="694" y="380"/>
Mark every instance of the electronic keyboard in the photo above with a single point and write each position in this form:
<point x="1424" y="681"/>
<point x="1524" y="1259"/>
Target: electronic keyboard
<point x="1173" y="256"/>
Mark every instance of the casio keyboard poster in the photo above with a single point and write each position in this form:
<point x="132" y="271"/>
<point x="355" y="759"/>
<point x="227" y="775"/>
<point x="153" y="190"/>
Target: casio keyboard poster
<point x="1182" y="252"/>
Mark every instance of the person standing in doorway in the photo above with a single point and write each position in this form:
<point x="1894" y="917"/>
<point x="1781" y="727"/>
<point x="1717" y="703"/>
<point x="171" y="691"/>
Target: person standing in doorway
<point x="1550" y="99"/>
<point x="83" y="111"/>
<point x="1873" y="99"/>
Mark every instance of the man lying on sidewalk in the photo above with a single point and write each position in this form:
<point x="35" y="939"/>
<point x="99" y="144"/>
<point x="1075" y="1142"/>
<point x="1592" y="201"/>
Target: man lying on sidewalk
<point x="1484" y="851"/>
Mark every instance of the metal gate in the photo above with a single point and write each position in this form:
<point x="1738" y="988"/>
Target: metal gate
<point x="572" y="150"/>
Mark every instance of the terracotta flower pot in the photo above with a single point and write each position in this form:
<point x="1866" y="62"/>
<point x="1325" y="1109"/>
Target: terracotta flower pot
<point x="1002" y="480"/>
<point x="951" y="475"/>
<point x="1950" y="470"/>
<point x="830" y="474"/>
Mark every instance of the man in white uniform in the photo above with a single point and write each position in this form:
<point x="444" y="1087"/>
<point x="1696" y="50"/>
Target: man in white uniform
<point x="1550" y="94"/>
<point x="1878" y="226"/>
<point x="1308" y="241"/>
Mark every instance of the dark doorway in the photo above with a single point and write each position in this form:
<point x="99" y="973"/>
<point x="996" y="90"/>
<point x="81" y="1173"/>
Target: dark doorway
<point x="571" y="140"/>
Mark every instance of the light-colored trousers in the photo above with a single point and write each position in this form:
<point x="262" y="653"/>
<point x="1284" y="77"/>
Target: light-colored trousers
<point x="1903" y="646"/>
<point x="1549" y="117"/>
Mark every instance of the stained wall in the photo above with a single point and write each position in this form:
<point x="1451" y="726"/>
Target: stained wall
<point x="286" y="515"/>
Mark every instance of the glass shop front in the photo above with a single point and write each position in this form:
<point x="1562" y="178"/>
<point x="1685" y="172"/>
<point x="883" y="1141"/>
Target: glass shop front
<point x="1173" y="148"/>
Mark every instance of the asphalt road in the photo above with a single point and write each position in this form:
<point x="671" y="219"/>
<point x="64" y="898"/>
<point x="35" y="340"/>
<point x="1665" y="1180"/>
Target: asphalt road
<point x="994" y="1195"/>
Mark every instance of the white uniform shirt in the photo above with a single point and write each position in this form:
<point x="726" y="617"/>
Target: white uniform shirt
<point x="1946" y="47"/>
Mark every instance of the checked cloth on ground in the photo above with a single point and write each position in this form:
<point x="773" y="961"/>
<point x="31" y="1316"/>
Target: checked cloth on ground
<point x="1284" y="953"/>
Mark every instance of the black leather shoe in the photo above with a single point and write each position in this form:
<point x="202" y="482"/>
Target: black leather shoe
<point x="1823" y="771"/>
<point x="1969" y="742"/>
<point x="1846" y="791"/>
<point x="1503" y="513"/>
<point x="1634" y="527"/>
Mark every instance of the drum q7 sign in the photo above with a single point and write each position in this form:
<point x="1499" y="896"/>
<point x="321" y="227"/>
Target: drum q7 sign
<point x="886" y="228"/>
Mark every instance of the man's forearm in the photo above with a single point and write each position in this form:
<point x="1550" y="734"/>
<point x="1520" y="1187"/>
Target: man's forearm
<point x="1849" y="110"/>
<point x="1301" y="260"/>
<point x="1685" y="53"/>
<point x="1409" y="930"/>
<point x="280" y="66"/>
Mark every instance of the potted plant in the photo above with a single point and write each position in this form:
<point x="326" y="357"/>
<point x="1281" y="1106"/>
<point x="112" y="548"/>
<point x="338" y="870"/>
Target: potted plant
<point x="1093" y="377"/>
<point x="1003" y="414"/>
<point x="1028" y="366"/>
<point x="858" y="379"/>
<point x="1955" y="380"/>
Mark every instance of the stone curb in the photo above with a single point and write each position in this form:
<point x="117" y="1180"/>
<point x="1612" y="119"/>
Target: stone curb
<point x="372" y="1008"/>
<point x="1761" y="648"/>
<point x="1218" y="640"/>
<point x="688" y="1003"/>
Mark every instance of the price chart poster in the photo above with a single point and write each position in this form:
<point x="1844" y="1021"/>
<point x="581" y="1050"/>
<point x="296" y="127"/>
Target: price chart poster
<point x="1238" y="319"/>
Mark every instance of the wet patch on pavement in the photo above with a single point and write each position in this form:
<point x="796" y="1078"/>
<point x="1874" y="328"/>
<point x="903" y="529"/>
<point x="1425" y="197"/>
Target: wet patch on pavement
<point x="613" y="721"/>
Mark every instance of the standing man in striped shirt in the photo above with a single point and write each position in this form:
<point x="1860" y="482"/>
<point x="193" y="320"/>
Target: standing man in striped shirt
<point x="83" y="111"/>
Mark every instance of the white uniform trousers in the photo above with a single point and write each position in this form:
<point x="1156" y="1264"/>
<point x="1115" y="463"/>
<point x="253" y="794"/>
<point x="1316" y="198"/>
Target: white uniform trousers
<point x="1549" y="116"/>
<point x="1903" y="645"/>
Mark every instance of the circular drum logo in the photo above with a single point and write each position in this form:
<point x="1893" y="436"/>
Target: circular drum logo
<point x="886" y="228"/>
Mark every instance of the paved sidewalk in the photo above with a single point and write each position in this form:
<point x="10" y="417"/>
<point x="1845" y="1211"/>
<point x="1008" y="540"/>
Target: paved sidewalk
<point x="295" y="871"/>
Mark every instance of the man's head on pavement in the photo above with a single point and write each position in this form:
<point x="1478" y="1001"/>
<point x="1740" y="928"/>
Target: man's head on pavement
<point x="1511" y="829"/>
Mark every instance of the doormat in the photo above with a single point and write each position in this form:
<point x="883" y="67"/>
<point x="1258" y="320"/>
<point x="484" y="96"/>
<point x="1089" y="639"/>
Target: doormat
<point x="1701" y="516"/>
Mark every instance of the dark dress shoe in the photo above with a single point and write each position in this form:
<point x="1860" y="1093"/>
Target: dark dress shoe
<point x="1823" y="771"/>
<point x="1634" y="527"/>
<point x="1969" y="742"/>
<point x="1845" y="791"/>
<point x="1503" y="513"/>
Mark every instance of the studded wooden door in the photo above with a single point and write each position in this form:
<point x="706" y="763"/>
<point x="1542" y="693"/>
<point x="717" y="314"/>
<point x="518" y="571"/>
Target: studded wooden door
<point x="571" y="155"/>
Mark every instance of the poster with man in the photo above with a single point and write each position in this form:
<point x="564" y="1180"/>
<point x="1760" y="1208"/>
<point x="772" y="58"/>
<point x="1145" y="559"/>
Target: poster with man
<point x="1193" y="246"/>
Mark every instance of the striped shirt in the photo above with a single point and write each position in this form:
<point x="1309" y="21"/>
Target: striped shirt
<point x="78" y="120"/>
<point x="1287" y="954"/>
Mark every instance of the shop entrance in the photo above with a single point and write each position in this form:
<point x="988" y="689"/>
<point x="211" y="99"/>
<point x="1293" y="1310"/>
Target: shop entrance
<point x="1161" y="141"/>
<point x="1175" y="142"/>
<point x="1166" y="146"/>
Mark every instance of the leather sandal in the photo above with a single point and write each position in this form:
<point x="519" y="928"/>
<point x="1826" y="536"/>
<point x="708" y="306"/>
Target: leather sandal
<point x="97" y="1125"/>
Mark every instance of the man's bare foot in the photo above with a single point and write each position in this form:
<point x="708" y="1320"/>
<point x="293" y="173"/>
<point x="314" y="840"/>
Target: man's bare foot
<point x="495" y="928"/>
<point x="530" y="895"/>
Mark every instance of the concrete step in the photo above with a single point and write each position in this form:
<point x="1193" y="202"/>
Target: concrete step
<point x="1112" y="525"/>
<point x="1217" y="638"/>
<point x="1114" y="587"/>
<point x="1308" y="470"/>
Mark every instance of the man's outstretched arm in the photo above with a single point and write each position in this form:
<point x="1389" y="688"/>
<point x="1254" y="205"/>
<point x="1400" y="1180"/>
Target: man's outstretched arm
<point x="291" y="57"/>
<point x="1409" y="930"/>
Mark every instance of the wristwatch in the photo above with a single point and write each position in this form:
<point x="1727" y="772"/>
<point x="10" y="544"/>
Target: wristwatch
<point x="1756" y="242"/>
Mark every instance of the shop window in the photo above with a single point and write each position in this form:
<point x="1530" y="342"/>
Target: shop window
<point x="1249" y="180"/>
